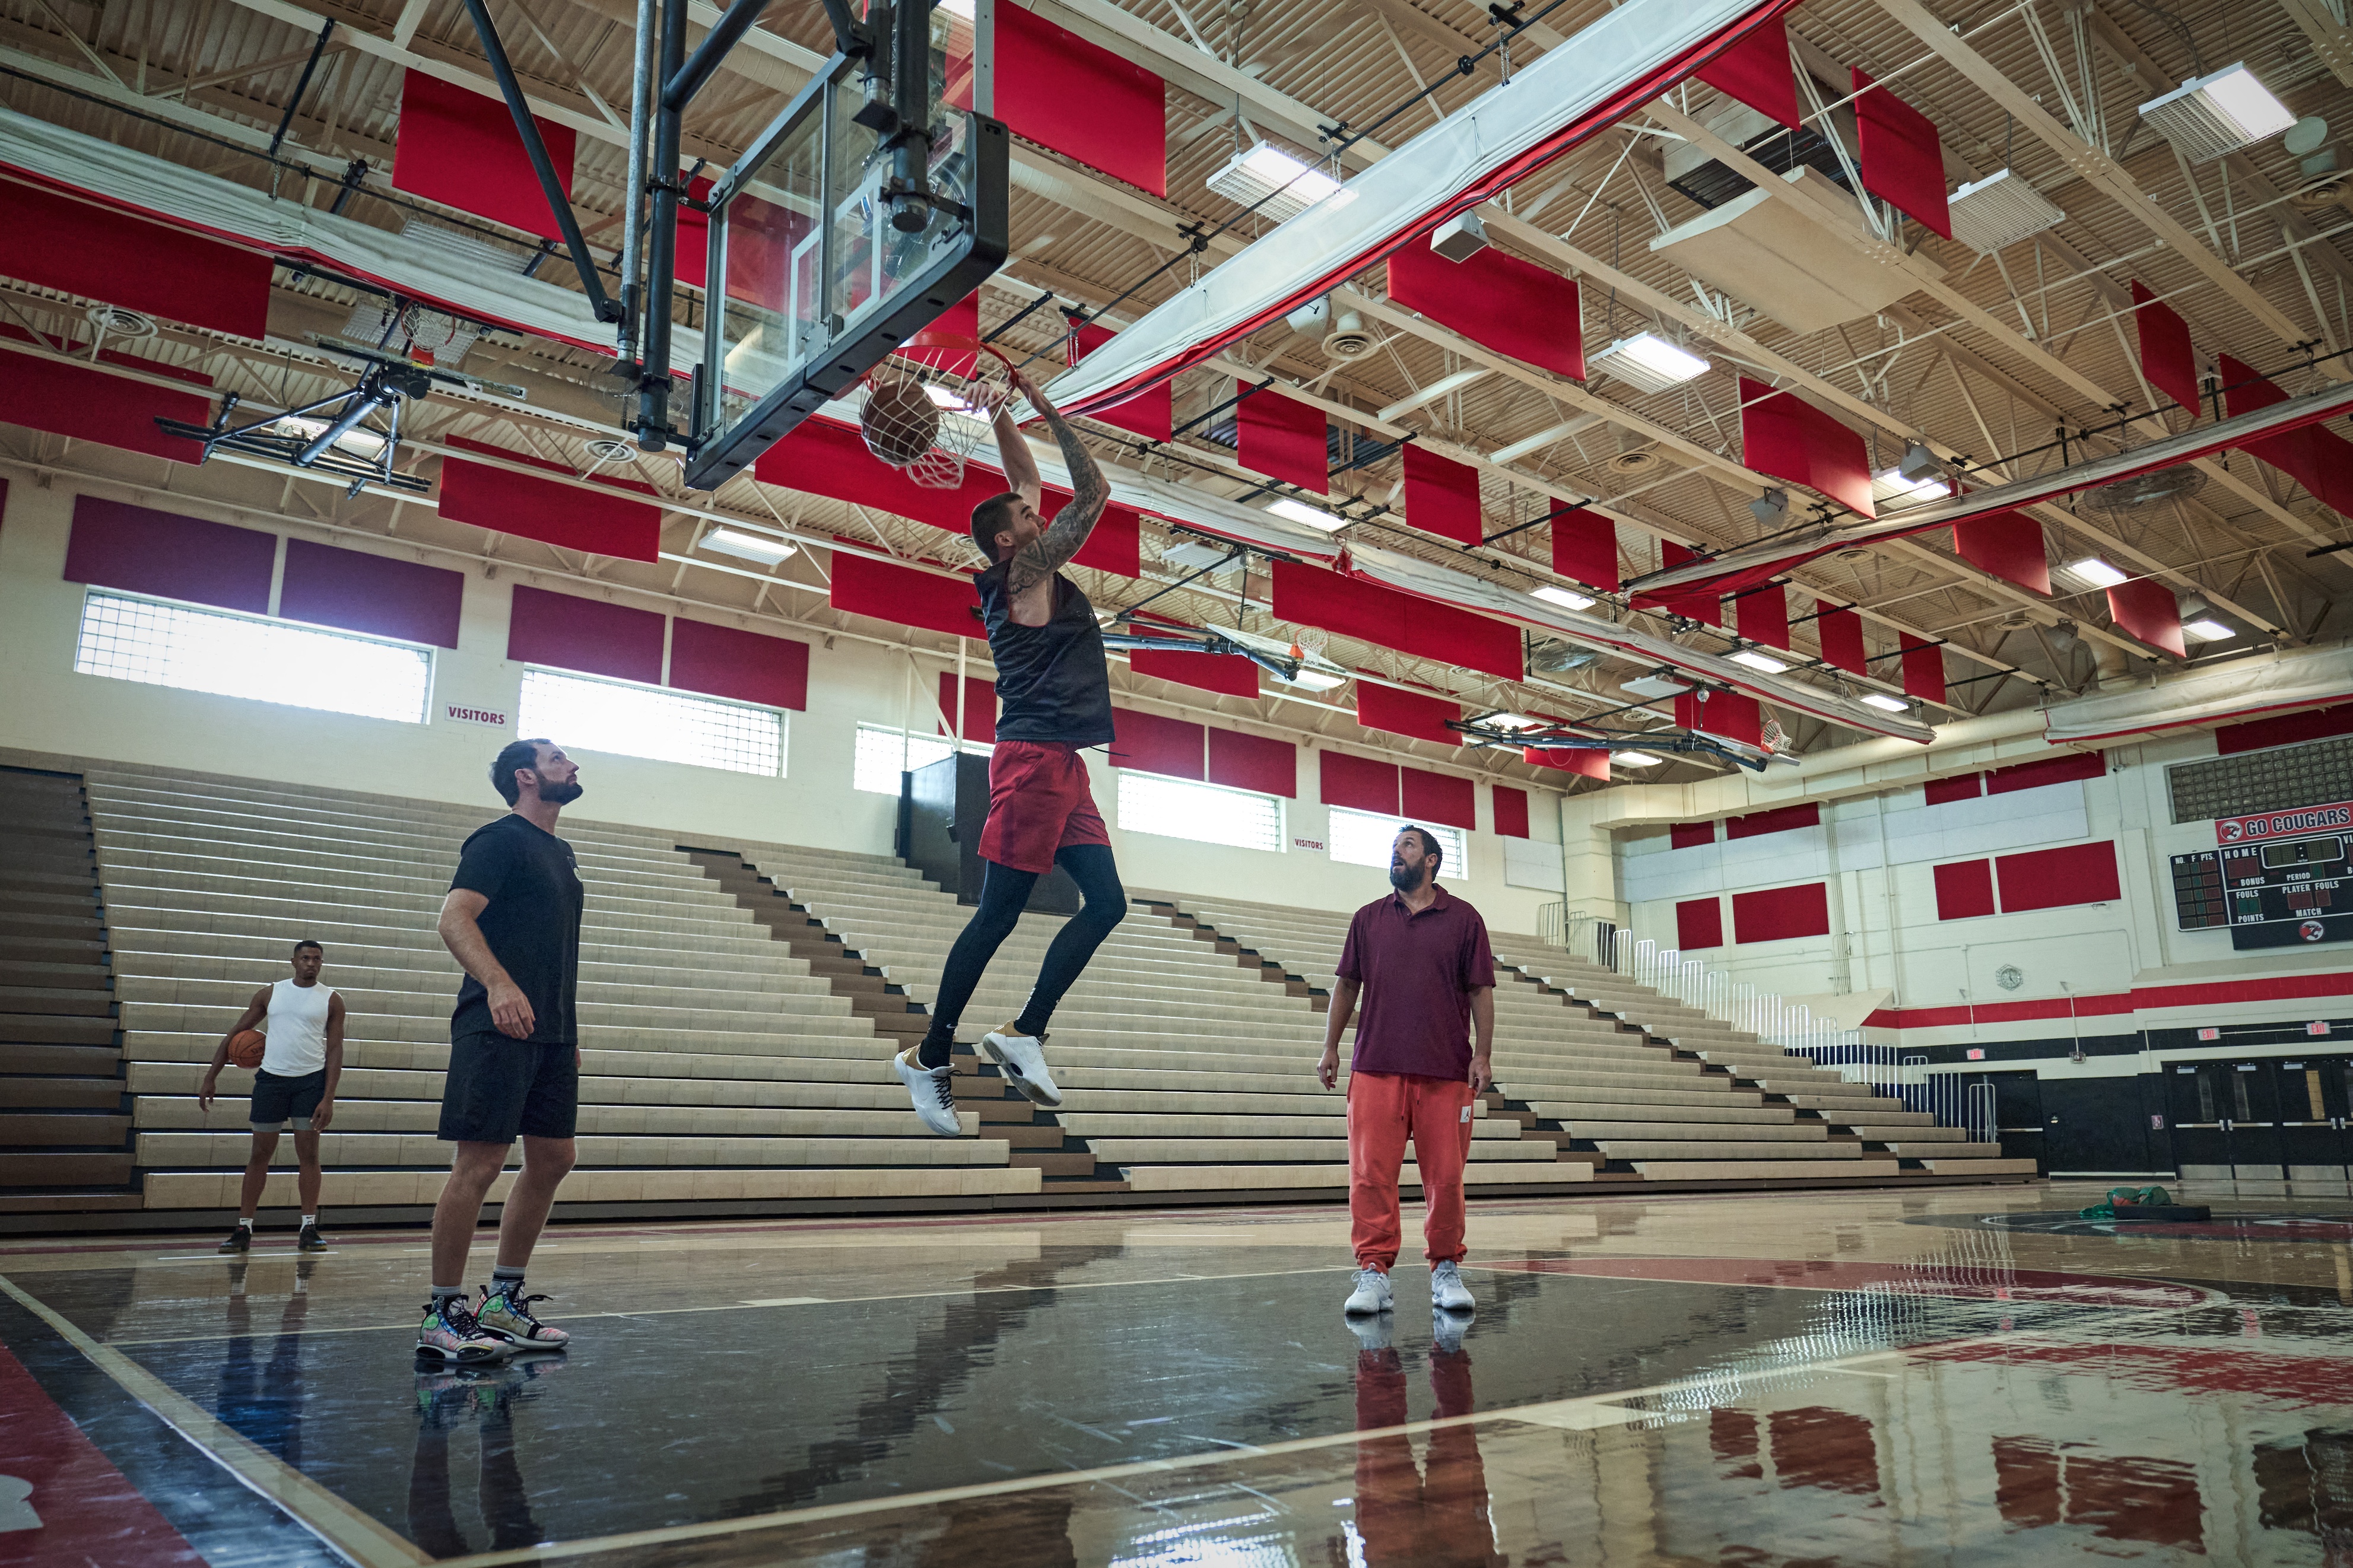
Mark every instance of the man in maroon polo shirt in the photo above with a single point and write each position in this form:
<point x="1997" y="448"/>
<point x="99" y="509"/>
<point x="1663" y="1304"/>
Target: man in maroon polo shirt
<point x="1420" y="959"/>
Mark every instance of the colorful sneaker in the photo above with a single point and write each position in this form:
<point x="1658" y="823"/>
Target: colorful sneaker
<point x="928" y="1087"/>
<point x="450" y="1335"/>
<point x="240" y="1239"/>
<point x="310" y="1240"/>
<point x="1371" y="1294"/>
<point x="508" y="1317"/>
<point x="1447" y="1291"/>
<point x="1022" y="1059"/>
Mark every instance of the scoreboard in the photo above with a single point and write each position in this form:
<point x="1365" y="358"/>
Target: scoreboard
<point x="2270" y="892"/>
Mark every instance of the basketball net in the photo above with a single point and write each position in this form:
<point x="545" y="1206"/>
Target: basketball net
<point x="928" y="408"/>
<point x="431" y="333"/>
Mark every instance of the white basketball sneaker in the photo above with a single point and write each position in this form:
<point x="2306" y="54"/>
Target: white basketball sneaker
<point x="1371" y="1294"/>
<point x="1447" y="1291"/>
<point x="1023" y="1060"/>
<point x="928" y="1087"/>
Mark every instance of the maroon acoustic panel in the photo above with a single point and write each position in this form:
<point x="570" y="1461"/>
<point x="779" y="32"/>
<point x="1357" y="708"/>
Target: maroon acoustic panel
<point x="1733" y="715"/>
<point x="1150" y="743"/>
<point x="1511" y="811"/>
<point x="1442" y="496"/>
<point x="59" y="242"/>
<point x="1840" y="632"/>
<point x="979" y="715"/>
<point x="2314" y="456"/>
<point x="1496" y="300"/>
<point x="1690" y="835"/>
<point x="2008" y="544"/>
<point x="572" y="517"/>
<point x="2261" y="734"/>
<point x="1441" y="798"/>
<point x="374" y="593"/>
<point x="1964" y="890"/>
<point x="730" y="661"/>
<point x="694" y="236"/>
<point x="1229" y="674"/>
<point x="1371" y="611"/>
<point x="1061" y="91"/>
<point x="905" y="595"/>
<point x="1705" y="607"/>
<point x="591" y="635"/>
<point x="1408" y="713"/>
<point x="1780" y="914"/>
<point x="1785" y="820"/>
<point x="1583" y="761"/>
<point x="1585" y="547"/>
<point x="2146" y="608"/>
<point x="1902" y="160"/>
<point x="1944" y="791"/>
<point x="2065" y="768"/>
<point x="1764" y="616"/>
<point x="1756" y="70"/>
<point x="1151" y="414"/>
<point x="1282" y="438"/>
<point x="1257" y="763"/>
<point x="1358" y="783"/>
<point x="1924" y="671"/>
<point x="90" y="405"/>
<point x="458" y="147"/>
<point x="142" y="550"/>
<point x="2055" y="879"/>
<point x="1783" y="435"/>
<point x="2166" y="358"/>
<point x="1699" y="922"/>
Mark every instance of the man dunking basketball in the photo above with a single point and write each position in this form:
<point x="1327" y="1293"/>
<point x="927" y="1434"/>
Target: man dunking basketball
<point x="1054" y="698"/>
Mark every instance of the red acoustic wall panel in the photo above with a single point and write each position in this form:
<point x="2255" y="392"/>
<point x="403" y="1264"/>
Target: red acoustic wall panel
<point x="1780" y="914"/>
<point x="2055" y="879"/>
<point x="1227" y="674"/>
<point x="1358" y="783"/>
<point x="1408" y="713"/>
<point x="2316" y="456"/>
<point x="1944" y="791"/>
<point x="1282" y="438"/>
<point x="1370" y="611"/>
<point x="1583" y="762"/>
<point x="909" y="597"/>
<point x="1511" y="811"/>
<point x="1149" y="744"/>
<point x="1756" y="70"/>
<point x="571" y="517"/>
<point x="1441" y="798"/>
<point x="1923" y="672"/>
<point x="2008" y="544"/>
<point x="2065" y="768"/>
<point x="2166" y="358"/>
<point x="1902" y="159"/>
<point x="1733" y="715"/>
<point x="1496" y="300"/>
<point x="458" y="147"/>
<point x="587" y="635"/>
<point x="2146" y="608"/>
<point x="59" y="242"/>
<point x="91" y="406"/>
<point x="1061" y="91"/>
<point x="748" y="665"/>
<point x="142" y="550"/>
<point x="374" y="593"/>
<point x="1964" y="890"/>
<point x="1786" y="820"/>
<point x="2261" y="734"/>
<point x="1783" y="435"/>
<point x="979" y="715"/>
<point x="1442" y="496"/>
<point x="1585" y="547"/>
<point x="1699" y="923"/>
<point x="1151" y="414"/>
<point x="1690" y="835"/>
<point x="1705" y="607"/>
<point x="1257" y="763"/>
<point x="1764" y="616"/>
<point x="1840" y="631"/>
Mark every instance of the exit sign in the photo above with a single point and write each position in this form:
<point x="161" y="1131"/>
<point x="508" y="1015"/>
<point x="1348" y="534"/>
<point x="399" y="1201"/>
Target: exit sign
<point x="1976" y="1053"/>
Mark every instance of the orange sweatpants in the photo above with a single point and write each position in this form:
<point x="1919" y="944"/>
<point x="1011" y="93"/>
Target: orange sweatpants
<point x="1384" y="1111"/>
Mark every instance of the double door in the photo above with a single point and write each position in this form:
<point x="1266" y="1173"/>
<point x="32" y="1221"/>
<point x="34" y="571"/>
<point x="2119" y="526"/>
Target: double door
<point x="2268" y="1119"/>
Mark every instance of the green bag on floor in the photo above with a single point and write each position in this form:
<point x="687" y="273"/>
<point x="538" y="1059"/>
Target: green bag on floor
<point x="2149" y="1197"/>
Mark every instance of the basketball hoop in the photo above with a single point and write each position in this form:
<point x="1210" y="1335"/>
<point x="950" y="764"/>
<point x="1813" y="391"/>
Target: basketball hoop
<point x="930" y="406"/>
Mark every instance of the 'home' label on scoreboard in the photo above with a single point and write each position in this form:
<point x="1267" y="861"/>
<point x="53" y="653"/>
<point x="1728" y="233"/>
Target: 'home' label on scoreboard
<point x="2293" y="824"/>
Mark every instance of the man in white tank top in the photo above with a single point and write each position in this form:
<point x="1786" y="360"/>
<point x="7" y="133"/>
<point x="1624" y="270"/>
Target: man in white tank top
<point x="304" y="1023"/>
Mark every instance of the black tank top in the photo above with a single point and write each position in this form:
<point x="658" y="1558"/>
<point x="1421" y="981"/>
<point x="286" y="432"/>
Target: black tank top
<point x="1050" y="681"/>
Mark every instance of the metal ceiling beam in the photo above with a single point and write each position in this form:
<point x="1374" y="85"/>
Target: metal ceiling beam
<point x="2332" y="41"/>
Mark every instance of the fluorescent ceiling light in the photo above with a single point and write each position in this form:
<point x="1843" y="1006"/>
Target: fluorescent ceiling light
<point x="1278" y="183"/>
<point x="2095" y="572"/>
<point x="1314" y="680"/>
<point x="2209" y="630"/>
<point x="1515" y="722"/>
<point x="359" y="439"/>
<point x="1647" y="363"/>
<point x="1755" y="660"/>
<point x="1300" y="511"/>
<point x="1441" y="387"/>
<point x="747" y="546"/>
<point x="943" y="398"/>
<point x="1634" y="759"/>
<point x="2213" y="116"/>
<point x="1893" y="486"/>
<point x="1566" y="598"/>
<point x="1997" y="212"/>
<point x="1880" y="700"/>
<point x="1654" y="688"/>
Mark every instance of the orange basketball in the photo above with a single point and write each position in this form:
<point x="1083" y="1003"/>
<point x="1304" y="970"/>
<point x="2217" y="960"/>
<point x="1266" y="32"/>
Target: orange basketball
<point x="899" y="421"/>
<point x="245" y="1048"/>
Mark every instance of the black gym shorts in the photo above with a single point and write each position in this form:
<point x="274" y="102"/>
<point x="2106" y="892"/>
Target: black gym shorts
<point x="499" y="1087"/>
<point x="277" y="1100"/>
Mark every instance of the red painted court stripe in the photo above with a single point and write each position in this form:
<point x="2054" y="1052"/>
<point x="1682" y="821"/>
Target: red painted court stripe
<point x="63" y="1504"/>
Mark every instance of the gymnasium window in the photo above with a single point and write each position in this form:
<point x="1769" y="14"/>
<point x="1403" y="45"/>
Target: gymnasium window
<point x="161" y="644"/>
<point x="1362" y="838"/>
<point x="885" y="752"/>
<point x="1204" y="813"/>
<point x="586" y="713"/>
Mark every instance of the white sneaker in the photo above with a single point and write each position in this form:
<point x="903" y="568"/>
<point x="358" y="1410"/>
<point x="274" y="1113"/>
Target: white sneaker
<point x="1446" y="1331"/>
<point x="1023" y="1058"/>
<point x="1371" y="1294"/>
<point x="1372" y="1331"/>
<point x="928" y="1087"/>
<point x="1447" y="1291"/>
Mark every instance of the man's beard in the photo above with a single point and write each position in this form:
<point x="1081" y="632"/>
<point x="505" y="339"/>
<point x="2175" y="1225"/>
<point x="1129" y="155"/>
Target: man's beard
<point x="1403" y="880"/>
<point x="561" y="793"/>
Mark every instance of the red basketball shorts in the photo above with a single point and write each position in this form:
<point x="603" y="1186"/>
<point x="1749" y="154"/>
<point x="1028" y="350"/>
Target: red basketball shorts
<point x="1038" y="801"/>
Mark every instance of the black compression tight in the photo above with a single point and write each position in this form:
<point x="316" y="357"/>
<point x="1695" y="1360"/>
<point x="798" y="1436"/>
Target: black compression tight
<point x="1003" y="893"/>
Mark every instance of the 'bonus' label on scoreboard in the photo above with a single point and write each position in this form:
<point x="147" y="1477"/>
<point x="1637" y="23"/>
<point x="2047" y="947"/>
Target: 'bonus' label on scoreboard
<point x="2284" y="824"/>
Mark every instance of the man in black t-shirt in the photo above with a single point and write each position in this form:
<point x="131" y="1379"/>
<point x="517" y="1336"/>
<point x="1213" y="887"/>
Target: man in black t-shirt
<point x="512" y="920"/>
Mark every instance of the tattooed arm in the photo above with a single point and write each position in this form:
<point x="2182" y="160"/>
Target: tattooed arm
<point x="1037" y="560"/>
